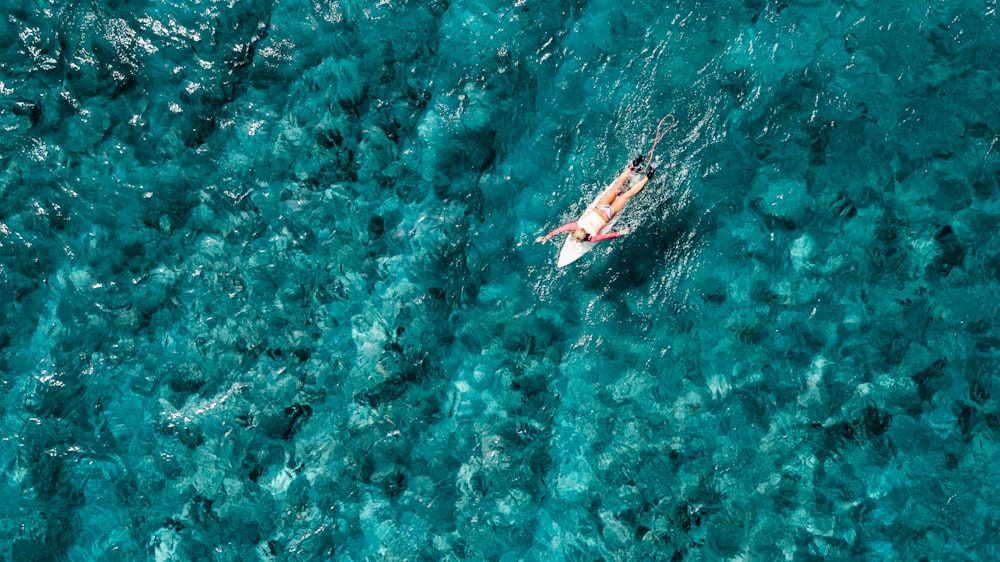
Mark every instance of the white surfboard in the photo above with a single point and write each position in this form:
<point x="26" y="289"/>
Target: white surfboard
<point x="573" y="250"/>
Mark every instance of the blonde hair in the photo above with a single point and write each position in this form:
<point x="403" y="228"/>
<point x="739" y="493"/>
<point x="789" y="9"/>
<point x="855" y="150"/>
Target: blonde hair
<point x="580" y="234"/>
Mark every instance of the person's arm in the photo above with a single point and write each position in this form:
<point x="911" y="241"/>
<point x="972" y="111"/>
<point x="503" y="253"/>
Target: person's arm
<point x="608" y="236"/>
<point x="564" y="228"/>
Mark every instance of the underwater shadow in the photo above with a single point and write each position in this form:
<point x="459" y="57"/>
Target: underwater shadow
<point x="667" y="232"/>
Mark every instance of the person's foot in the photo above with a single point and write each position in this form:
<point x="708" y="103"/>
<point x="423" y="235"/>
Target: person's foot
<point x="636" y="162"/>
<point x="650" y="172"/>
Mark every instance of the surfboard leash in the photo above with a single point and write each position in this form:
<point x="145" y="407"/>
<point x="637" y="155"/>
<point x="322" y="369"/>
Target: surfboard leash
<point x="659" y="135"/>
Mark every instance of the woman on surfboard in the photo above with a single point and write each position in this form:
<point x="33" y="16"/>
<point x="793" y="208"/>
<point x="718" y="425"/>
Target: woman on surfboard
<point x="588" y="228"/>
<point x="603" y="211"/>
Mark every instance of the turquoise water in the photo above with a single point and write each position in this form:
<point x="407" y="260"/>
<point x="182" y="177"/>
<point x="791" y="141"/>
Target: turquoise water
<point x="271" y="291"/>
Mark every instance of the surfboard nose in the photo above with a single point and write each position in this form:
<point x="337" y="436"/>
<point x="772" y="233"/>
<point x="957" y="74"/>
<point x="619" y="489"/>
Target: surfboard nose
<point x="572" y="251"/>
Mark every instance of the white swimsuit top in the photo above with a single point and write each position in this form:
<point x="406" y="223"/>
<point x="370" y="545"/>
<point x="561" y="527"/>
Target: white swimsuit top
<point x="592" y="222"/>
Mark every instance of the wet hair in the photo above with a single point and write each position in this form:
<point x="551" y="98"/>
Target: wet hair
<point x="580" y="235"/>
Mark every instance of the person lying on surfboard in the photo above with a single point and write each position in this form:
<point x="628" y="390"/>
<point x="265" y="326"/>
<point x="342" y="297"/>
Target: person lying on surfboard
<point x="603" y="212"/>
<point x="588" y="228"/>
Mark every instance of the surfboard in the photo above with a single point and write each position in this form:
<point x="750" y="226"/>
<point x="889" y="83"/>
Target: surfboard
<point x="573" y="250"/>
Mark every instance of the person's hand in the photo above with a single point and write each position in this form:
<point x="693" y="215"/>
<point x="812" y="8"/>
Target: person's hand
<point x="624" y="231"/>
<point x="541" y="239"/>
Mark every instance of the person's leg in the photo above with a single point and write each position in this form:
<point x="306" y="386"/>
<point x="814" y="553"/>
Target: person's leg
<point x="619" y="203"/>
<point x="616" y="187"/>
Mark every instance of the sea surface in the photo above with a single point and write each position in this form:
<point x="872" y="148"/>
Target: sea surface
<point x="270" y="288"/>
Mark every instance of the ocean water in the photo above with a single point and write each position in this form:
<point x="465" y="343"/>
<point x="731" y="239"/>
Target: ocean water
<point x="270" y="288"/>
